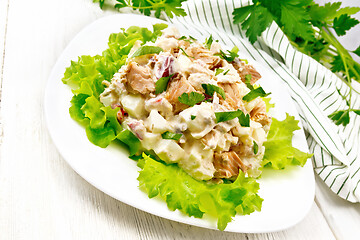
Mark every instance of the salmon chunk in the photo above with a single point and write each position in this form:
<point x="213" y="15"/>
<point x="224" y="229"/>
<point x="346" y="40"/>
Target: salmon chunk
<point x="227" y="164"/>
<point x="206" y="56"/>
<point x="233" y="94"/>
<point x="177" y="87"/>
<point x="258" y="114"/>
<point x="245" y="69"/>
<point x="139" y="79"/>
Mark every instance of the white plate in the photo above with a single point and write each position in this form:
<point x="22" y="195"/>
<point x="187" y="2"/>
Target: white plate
<point x="288" y="195"/>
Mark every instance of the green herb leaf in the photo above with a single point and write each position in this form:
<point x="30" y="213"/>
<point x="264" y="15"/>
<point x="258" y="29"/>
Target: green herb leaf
<point x="240" y="14"/>
<point x="308" y="26"/>
<point x="218" y="71"/>
<point x="187" y="39"/>
<point x="226" y="72"/>
<point x="325" y="14"/>
<point x="248" y="81"/>
<point x="121" y="4"/>
<point x="161" y="84"/>
<point x="230" y="56"/>
<point x="226" y="116"/>
<point x="337" y="64"/>
<point x="347" y="10"/>
<point x="170" y="135"/>
<point x="296" y="20"/>
<point x="101" y="2"/>
<point x="260" y="18"/>
<point x="185" y="53"/>
<point x="356" y="111"/>
<point x="191" y="99"/>
<point x="208" y="42"/>
<point x="256" y="148"/>
<point x="192" y="38"/>
<point x="343" y="97"/>
<point x="145" y="50"/>
<point x="244" y="120"/>
<point x="319" y="13"/>
<point x="193" y="117"/>
<point x="210" y="89"/>
<point x="257" y="92"/>
<point x="146" y="7"/>
<point x="245" y="61"/>
<point x="357" y="51"/>
<point x="344" y="23"/>
<point x="340" y="117"/>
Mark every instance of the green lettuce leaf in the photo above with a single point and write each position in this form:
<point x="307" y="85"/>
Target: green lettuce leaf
<point x="176" y="187"/>
<point x="194" y="198"/>
<point x="279" y="152"/>
<point x="130" y="140"/>
<point x="75" y="111"/>
<point x="101" y="137"/>
<point x="92" y="110"/>
<point x="85" y="77"/>
<point x="268" y="104"/>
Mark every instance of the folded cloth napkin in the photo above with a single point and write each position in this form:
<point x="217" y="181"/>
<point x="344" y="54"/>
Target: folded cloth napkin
<point x="313" y="88"/>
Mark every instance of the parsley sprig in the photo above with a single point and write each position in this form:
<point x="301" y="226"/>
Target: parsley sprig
<point x="309" y="27"/>
<point x="188" y="39"/>
<point x="146" y="7"/>
<point x="171" y="135"/>
<point x="208" y="42"/>
<point x="210" y="89"/>
<point x="145" y="50"/>
<point x="244" y="119"/>
<point x="230" y="55"/>
<point x="254" y="92"/>
<point x="161" y="84"/>
<point x="183" y="51"/>
<point x="191" y="99"/>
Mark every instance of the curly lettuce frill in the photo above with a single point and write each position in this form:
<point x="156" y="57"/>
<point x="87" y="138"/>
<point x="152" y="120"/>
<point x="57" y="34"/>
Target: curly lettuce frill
<point x="194" y="198"/>
<point x="85" y="78"/>
<point x="279" y="151"/>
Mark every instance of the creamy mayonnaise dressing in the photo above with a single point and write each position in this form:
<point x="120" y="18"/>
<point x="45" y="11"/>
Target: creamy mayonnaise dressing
<point x="149" y="115"/>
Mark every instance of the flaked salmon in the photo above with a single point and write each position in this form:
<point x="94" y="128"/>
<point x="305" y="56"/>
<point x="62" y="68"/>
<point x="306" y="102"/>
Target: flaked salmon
<point x="227" y="164"/>
<point x="213" y="141"/>
<point x="234" y="94"/>
<point x="206" y="56"/>
<point x="245" y="69"/>
<point x="139" y="79"/>
<point x="259" y="114"/>
<point x="178" y="86"/>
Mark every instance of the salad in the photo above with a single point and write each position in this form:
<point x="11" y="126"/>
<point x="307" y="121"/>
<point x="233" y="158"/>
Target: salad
<point x="191" y="115"/>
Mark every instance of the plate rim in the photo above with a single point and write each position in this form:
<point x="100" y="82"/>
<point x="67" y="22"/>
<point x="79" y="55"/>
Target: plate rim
<point x="78" y="171"/>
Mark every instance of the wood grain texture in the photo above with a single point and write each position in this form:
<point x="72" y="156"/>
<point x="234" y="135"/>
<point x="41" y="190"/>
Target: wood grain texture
<point x="343" y="217"/>
<point x="41" y="197"/>
<point x="4" y="6"/>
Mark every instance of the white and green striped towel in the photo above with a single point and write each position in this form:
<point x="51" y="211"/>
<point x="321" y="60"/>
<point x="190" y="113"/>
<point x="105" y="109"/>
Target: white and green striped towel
<point x="312" y="87"/>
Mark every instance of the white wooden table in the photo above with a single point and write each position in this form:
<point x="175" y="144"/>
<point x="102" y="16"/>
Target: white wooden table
<point x="41" y="197"/>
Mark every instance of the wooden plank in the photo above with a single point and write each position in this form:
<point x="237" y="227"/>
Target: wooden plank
<point x="4" y="6"/>
<point x="41" y="197"/>
<point x="342" y="216"/>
